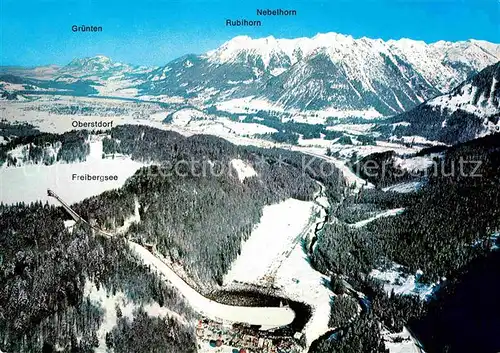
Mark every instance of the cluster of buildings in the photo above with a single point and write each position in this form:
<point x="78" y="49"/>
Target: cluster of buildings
<point x="236" y="338"/>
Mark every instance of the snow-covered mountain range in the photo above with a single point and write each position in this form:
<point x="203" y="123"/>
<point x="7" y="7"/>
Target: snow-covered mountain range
<point x="333" y="73"/>
<point x="328" y="71"/>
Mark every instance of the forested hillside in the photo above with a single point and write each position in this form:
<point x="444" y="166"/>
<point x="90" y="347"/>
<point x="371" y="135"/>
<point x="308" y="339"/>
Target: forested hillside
<point x="445" y="231"/>
<point x="193" y="205"/>
<point x="31" y="146"/>
<point x="470" y="110"/>
<point x="44" y="269"/>
<point x="430" y="234"/>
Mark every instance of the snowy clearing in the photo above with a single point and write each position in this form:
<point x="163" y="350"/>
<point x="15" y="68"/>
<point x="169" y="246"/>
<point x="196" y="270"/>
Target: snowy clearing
<point x="108" y="303"/>
<point x="396" y="280"/>
<point x="252" y="104"/>
<point x="299" y="281"/>
<point x="316" y="142"/>
<point x="50" y="113"/>
<point x="466" y="99"/>
<point x="243" y="170"/>
<point x="199" y="122"/>
<point x="416" y="140"/>
<point x="247" y="105"/>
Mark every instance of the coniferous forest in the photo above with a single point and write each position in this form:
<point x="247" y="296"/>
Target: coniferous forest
<point x="198" y="220"/>
<point x="446" y="232"/>
<point x="44" y="271"/>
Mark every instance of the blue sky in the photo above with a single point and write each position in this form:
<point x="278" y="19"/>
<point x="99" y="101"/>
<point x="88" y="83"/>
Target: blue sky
<point x="38" y="32"/>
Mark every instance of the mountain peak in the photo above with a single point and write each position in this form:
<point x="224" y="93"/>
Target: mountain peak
<point x="330" y="37"/>
<point x="101" y="58"/>
<point x="95" y="66"/>
<point x="98" y="59"/>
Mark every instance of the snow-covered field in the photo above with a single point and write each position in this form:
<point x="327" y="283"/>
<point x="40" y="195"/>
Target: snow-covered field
<point x="317" y="142"/>
<point x="253" y="104"/>
<point x="30" y="182"/>
<point x="411" y="186"/>
<point x="346" y="151"/>
<point x="347" y="174"/>
<point x="466" y="99"/>
<point x="494" y="239"/>
<point x="279" y="227"/>
<point x="353" y="129"/>
<point x="417" y="140"/>
<point x="370" y="113"/>
<point x="247" y="105"/>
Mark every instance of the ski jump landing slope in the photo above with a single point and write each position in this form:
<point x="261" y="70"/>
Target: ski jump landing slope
<point x="266" y="317"/>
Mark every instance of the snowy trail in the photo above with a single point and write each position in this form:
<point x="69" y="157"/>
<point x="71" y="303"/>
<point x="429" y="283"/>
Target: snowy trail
<point x="266" y="317"/>
<point x="387" y="213"/>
